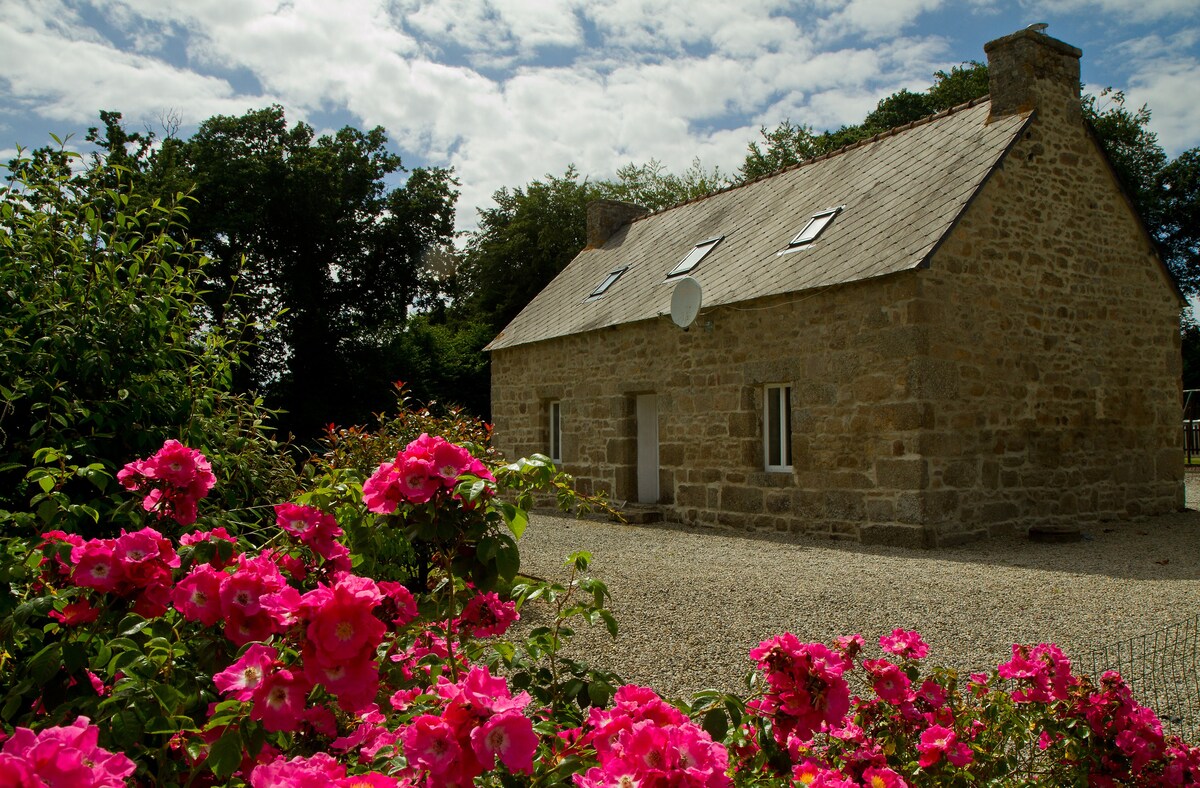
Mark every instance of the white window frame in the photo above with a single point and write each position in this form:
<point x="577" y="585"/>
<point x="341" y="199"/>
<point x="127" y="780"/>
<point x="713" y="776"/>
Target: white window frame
<point x="554" y="412"/>
<point x="609" y="280"/>
<point x="694" y="256"/>
<point x="777" y="427"/>
<point x="816" y="225"/>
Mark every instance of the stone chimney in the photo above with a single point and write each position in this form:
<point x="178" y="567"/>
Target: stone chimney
<point x="605" y="217"/>
<point x="1029" y="70"/>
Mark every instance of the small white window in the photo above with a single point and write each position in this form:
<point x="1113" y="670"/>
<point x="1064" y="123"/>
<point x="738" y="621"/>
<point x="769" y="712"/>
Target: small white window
<point x="693" y="258"/>
<point x="556" y="431"/>
<point x="606" y="283"/>
<point x="815" y="226"/>
<point x="777" y="428"/>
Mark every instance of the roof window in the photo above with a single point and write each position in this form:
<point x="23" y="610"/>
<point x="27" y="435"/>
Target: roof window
<point x="693" y="258"/>
<point x="816" y="225"/>
<point x="611" y="277"/>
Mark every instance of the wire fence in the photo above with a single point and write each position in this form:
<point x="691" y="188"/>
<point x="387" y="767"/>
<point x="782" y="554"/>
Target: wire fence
<point x="1162" y="669"/>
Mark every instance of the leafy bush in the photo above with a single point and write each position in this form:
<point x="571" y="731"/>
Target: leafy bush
<point x="107" y="351"/>
<point x="283" y="657"/>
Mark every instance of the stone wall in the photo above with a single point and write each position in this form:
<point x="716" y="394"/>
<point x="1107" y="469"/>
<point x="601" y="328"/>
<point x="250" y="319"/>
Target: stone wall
<point x="1054" y="357"/>
<point x="857" y="409"/>
<point x="1028" y="376"/>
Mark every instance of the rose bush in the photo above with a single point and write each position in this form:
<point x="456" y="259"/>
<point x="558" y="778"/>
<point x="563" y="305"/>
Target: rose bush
<point x="290" y="655"/>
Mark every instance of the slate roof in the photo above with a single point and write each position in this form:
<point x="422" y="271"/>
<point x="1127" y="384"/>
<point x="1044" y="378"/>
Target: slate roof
<point x="902" y="192"/>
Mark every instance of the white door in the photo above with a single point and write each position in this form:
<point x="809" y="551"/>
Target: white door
<point x="647" y="448"/>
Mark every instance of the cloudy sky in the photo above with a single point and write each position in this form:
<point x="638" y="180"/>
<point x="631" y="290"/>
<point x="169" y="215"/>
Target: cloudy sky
<point x="506" y="91"/>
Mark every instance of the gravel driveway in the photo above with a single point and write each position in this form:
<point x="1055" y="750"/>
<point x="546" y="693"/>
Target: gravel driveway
<point x="691" y="602"/>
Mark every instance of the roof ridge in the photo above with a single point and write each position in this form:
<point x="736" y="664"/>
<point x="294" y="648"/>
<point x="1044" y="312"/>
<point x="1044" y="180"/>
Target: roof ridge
<point x="827" y="155"/>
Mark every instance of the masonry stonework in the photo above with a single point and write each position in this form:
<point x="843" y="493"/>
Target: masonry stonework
<point x="1027" y="375"/>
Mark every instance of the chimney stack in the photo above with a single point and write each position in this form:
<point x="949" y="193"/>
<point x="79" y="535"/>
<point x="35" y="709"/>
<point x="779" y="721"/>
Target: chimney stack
<point x="1029" y="70"/>
<point x="605" y="217"/>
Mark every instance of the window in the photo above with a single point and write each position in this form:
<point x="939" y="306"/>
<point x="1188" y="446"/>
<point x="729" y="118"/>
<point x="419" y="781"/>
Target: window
<point x="777" y="428"/>
<point x="815" y="226"/>
<point x="606" y="283"/>
<point x="555" y="409"/>
<point x="693" y="258"/>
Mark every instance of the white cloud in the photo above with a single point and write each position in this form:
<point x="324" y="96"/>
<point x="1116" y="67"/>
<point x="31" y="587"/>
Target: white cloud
<point x="486" y="28"/>
<point x="1164" y="73"/>
<point x="510" y="90"/>
<point x="1141" y="10"/>
<point x="874" y="19"/>
<point x="1169" y="90"/>
<point x="69" y="80"/>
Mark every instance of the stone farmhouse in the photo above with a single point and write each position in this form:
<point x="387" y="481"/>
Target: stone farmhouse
<point x="956" y="329"/>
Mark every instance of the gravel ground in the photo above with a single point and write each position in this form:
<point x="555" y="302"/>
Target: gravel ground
<point x="692" y="602"/>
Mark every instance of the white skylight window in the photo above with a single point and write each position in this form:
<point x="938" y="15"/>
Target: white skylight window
<point x="611" y="277"/>
<point x="693" y="258"/>
<point x="816" y="225"/>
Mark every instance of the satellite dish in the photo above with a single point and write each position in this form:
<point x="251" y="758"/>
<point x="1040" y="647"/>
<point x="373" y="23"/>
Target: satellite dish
<point x="685" y="301"/>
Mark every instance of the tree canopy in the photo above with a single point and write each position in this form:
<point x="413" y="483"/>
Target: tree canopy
<point x="306" y="237"/>
<point x="522" y="243"/>
<point x="790" y="143"/>
<point x="347" y="283"/>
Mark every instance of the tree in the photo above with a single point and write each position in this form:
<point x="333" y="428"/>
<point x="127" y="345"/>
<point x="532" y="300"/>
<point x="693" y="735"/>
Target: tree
<point x="303" y="229"/>
<point x="1178" y="200"/>
<point x="651" y="186"/>
<point x="522" y="243"/>
<point x="788" y="143"/>
<point x="1131" y="147"/>
<point x="783" y="146"/>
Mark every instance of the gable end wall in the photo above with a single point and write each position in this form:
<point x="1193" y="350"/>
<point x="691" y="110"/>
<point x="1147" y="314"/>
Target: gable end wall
<point x="1057" y="326"/>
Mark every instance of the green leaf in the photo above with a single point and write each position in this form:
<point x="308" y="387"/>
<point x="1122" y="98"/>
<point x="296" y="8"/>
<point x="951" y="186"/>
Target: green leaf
<point x="599" y="692"/>
<point x="160" y="725"/>
<point x="126" y="727"/>
<point x="225" y="755"/>
<point x="508" y="558"/>
<point x="516" y="518"/>
<point x="131" y="625"/>
<point x="610" y="622"/>
<point x="46" y="663"/>
<point x="39" y="607"/>
<point x="581" y="559"/>
<point x="75" y="657"/>
<point x="168" y="696"/>
<point x="716" y="723"/>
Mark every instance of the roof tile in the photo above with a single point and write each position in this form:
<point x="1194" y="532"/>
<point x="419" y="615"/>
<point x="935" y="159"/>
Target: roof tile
<point x="902" y="193"/>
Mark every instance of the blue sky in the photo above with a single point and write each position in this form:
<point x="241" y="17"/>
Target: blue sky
<point x="506" y="91"/>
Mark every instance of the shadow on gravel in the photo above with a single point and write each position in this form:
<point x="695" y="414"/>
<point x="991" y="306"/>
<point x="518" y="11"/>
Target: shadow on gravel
<point x="1156" y="548"/>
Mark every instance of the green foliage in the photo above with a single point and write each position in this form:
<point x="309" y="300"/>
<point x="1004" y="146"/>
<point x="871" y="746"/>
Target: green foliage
<point x="334" y="258"/>
<point x="443" y="359"/>
<point x="327" y="260"/>
<point x="961" y="84"/>
<point x="106" y="351"/>
<point x="1178" y="197"/>
<point x="522" y="243"/>
<point x="652" y="186"/>
<point x="789" y="144"/>
<point x="783" y="146"/>
<point x="361" y="450"/>
<point x="1132" y="148"/>
<point x="567" y="686"/>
